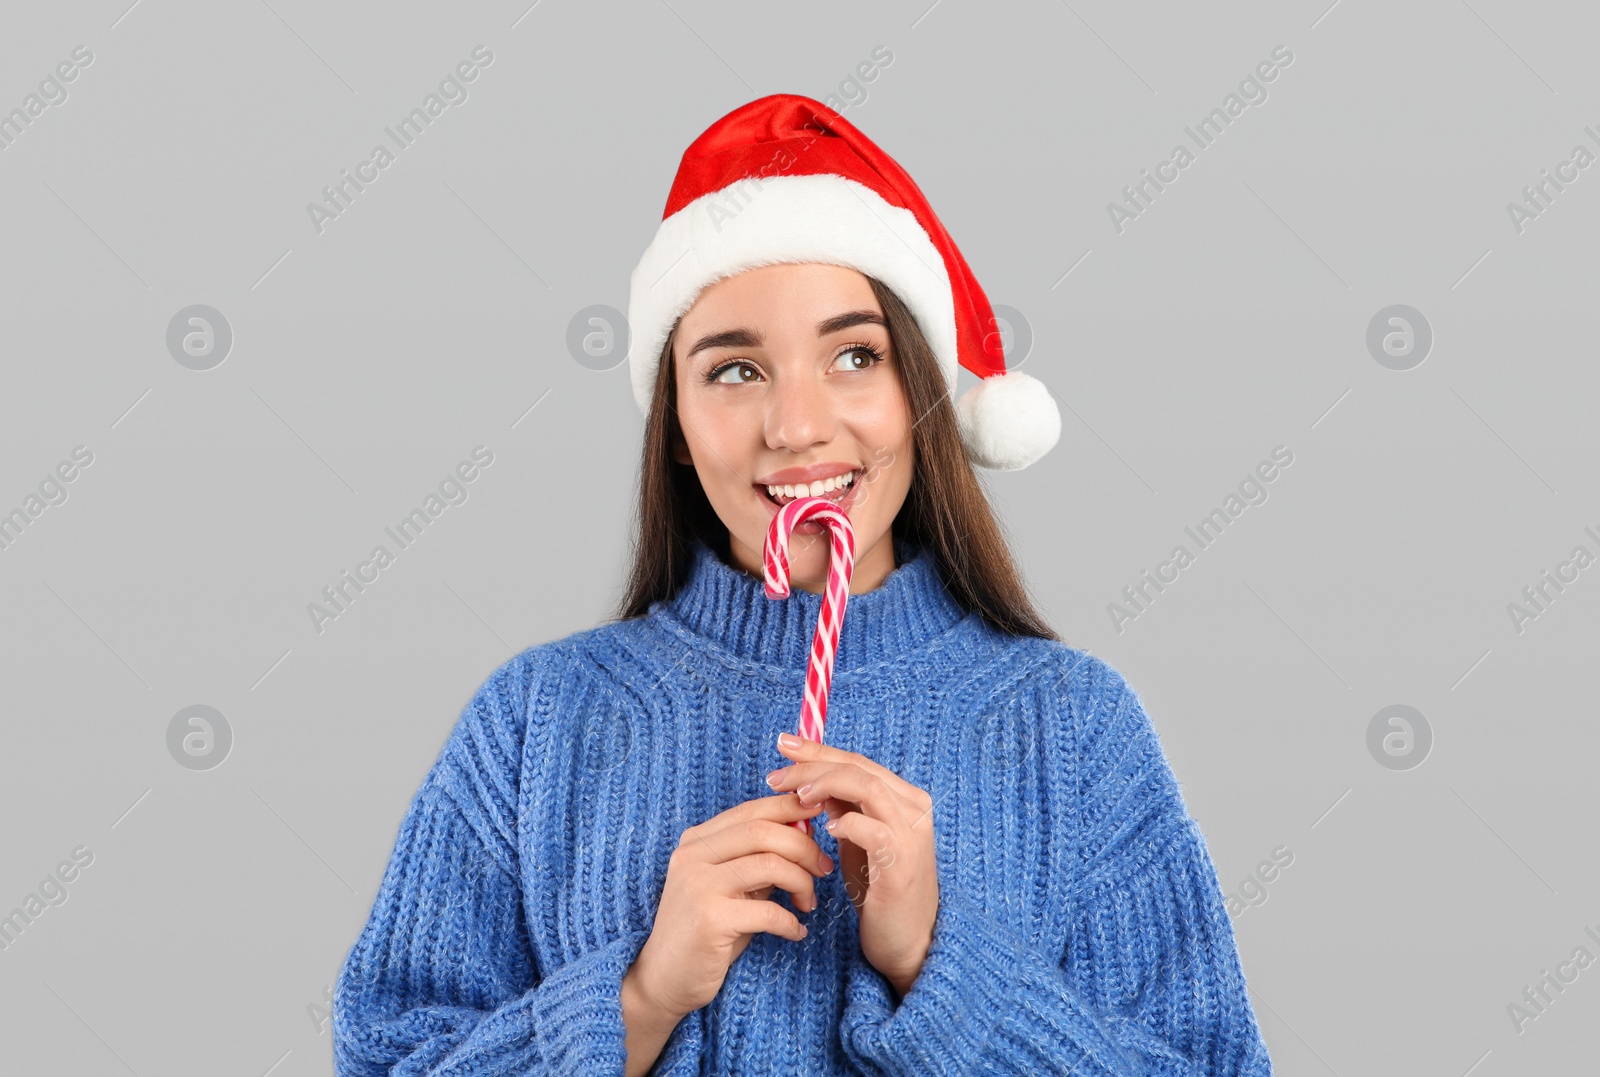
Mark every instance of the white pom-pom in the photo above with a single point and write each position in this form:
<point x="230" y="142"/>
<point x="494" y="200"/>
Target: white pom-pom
<point x="1008" y="421"/>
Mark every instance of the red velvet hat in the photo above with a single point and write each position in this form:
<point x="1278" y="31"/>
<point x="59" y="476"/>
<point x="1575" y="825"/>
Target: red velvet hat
<point x="786" y="179"/>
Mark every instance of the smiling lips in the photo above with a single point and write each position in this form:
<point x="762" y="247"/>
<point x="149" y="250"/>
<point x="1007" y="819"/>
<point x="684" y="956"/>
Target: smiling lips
<point x="834" y="489"/>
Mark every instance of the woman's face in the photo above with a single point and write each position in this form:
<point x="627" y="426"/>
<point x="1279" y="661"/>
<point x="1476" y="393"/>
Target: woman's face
<point x="777" y="382"/>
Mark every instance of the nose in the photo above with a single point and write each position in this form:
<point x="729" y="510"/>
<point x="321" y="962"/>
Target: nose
<point x="800" y="413"/>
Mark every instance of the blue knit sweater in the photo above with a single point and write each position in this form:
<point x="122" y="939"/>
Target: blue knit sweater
<point x="1080" y="929"/>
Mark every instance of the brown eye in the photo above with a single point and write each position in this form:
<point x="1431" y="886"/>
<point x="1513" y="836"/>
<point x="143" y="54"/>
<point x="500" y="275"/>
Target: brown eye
<point x="715" y="377"/>
<point x="873" y="356"/>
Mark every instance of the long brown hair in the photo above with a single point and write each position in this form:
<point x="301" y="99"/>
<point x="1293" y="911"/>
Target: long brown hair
<point x="945" y="511"/>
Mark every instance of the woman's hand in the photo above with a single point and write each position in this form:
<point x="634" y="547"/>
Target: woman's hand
<point x="884" y="826"/>
<point x="715" y="898"/>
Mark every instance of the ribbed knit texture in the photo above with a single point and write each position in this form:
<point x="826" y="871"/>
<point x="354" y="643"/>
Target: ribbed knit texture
<point x="1081" y="927"/>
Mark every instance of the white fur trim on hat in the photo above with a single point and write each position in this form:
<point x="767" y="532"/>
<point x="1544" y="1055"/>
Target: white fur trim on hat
<point x="1008" y="421"/>
<point x="756" y="222"/>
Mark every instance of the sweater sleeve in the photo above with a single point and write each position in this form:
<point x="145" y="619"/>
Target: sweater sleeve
<point x="443" y="979"/>
<point x="1150" y="981"/>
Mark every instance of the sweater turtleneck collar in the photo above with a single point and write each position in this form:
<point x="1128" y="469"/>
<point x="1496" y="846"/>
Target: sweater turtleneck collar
<point x="730" y="607"/>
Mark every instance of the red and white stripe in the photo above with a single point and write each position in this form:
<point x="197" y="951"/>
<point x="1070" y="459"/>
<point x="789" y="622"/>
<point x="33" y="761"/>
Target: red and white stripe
<point x="841" y="563"/>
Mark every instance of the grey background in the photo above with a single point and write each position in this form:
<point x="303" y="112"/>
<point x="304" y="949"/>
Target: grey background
<point x="368" y="360"/>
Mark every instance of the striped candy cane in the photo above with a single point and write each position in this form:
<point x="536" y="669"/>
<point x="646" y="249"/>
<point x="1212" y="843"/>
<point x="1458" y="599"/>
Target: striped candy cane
<point x="841" y="563"/>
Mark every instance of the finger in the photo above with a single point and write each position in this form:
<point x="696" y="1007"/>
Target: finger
<point x="874" y="837"/>
<point x="852" y="858"/>
<point x="835" y="808"/>
<point x="748" y="874"/>
<point x="799" y="775"/>
<point x="747" y="917"/>
<point x="856" y="785"/>
<point x="780" y="808"/>
<point x="766" y="835"/>
<point x="813" y="751"/>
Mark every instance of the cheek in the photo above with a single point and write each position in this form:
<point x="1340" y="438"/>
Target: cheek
<point x="719" y="440"/>
<point x="726" y="436"/>
<point x="889" y="445"/>
<point x="887" y="451"/>
<point x="700" y="427"/>
<point x="882" y="421"/>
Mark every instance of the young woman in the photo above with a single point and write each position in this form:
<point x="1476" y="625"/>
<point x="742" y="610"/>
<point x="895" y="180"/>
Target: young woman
<point x="601" y="875"/>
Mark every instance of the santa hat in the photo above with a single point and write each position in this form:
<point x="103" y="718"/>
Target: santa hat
<point x="786" y="179"/>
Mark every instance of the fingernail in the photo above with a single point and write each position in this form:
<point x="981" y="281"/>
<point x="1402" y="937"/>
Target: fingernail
<point x="823" y="863"/>
<point x="788" y="740"/>
<point x="804" y="789"/>
<point x="831" y="824"/>
<point x="772" y="779"/>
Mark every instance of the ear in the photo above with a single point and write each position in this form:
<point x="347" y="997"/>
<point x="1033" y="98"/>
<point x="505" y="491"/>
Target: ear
<point x="680" y="450"/>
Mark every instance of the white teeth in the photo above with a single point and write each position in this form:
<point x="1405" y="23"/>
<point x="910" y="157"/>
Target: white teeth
<point x="817" y="489"/>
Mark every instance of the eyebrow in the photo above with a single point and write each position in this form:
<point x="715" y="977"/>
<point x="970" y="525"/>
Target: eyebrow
<point x="750" y="338"/>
